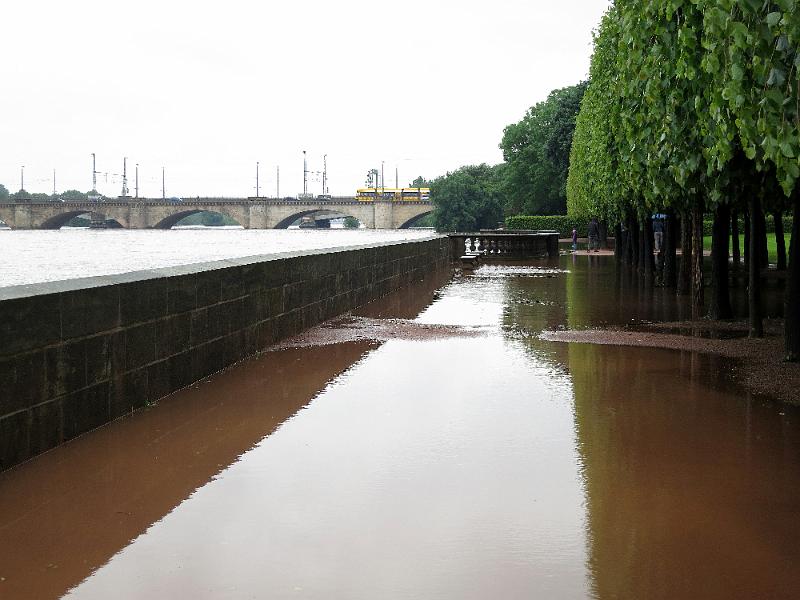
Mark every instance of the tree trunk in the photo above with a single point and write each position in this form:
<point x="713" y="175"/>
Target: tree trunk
<point x="737" y="255"/>
<point x="753" y="271"/>
<point x="649" y="262"/>
<point x="698" y="284"/>
<point x="685" y="272"/>
<point x="642" y="238"/>
<point x="747" y="237"/>
<point x="780" y="240"/>
<point x="670" y="258"/>
<point x="720" y="305"/>
<point x="628" y="244"/>
<point x="761" y="238"/>
<point x="792" y="308"/>
<point x="634" y="241"/>
<point x="603" y="229"/>
<point x="619" y="247"/>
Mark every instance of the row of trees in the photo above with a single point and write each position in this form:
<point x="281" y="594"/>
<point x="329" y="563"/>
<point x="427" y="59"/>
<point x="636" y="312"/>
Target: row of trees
<point x="24" y="196"/>
<point x="693" y="107"/>
<point x="532" y="178"/>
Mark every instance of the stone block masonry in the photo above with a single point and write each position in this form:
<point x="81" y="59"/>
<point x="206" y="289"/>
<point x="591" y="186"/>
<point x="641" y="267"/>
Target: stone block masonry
<point x="77" y="354"/>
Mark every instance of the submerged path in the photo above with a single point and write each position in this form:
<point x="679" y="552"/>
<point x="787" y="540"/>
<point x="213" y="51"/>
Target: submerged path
<point x="442" y="451"/>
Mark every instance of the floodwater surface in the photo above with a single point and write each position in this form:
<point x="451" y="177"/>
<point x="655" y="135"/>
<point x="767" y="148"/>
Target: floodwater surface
<point x="71" y="252"/>
<point x="455" y="456"/>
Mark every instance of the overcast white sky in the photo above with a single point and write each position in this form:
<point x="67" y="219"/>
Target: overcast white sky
<point x="206" y="89"/>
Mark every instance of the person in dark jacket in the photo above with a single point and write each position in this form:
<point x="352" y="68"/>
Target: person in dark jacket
<point x="658" y="234"/>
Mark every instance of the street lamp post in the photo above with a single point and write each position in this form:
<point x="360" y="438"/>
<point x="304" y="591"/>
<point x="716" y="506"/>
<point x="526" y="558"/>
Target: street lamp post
<point x="136" y="184"/>
<point x="125" y="177"/>
<point x="22" y="178"/>
<point x="163" y="188"/>
<point x="256" y="179"/>
<point x="325" y="174"/>
<point x="305" y="175"/>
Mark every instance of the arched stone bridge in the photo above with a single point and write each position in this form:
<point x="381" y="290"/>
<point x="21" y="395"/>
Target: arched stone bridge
<point x="252" y="213"/>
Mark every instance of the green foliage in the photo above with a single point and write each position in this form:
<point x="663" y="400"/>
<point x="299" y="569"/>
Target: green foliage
<point x="351" y="223"/>
<point x="565" y="223"/>
<point x="73" y="196"/>
<point x="39" y="197"/>
<point x="4" y="195"/>
<point x="561" y="223"/>
<point x="562" y="128"/>
<point x="688" y="101"/>
<point x="770" y="225"/>
<point x="419" y="182"/>
<point x="208" y="219"/>
<point x="536" y="153"/>
<point x="467" y="199"/>
<point x="772" y="244"/>
<point x="593" y="187"/>
<point x="20" y="196"/>
<point x="425" y="221"/>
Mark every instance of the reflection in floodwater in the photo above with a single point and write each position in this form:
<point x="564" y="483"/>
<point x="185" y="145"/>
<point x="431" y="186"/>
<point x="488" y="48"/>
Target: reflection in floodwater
<point x="450" y="453"/>
<point x="66" y="513"/>
<point x="691" y="491"/>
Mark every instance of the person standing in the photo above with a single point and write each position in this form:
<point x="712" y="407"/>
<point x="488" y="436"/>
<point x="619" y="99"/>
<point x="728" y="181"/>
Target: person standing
<point x="594" y="235"/>
<point x="658" y="234"/>
<point x="574" y="239"/>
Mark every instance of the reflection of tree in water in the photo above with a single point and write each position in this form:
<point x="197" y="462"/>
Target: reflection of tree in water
<point x="577" y="293"/>
<point x="582" y="292"/>
<point x="534" y="300"/>
<point x="689" y="490"/>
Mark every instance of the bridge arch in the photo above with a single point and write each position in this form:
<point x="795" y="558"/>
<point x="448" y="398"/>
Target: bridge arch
<point x="337" y="214"/>
<point x="413" y="220"/>
<point x="61" y="219"/>
<point x="171" y="220"/>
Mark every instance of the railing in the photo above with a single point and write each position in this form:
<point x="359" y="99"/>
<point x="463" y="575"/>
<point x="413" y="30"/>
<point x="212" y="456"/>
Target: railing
<point x="195" y="200"/>
<point x="505" y="244"/>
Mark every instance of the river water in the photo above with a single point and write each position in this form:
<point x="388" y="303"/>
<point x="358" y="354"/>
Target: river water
<point x="69" y="253"/>
<point x="434" y="447"/>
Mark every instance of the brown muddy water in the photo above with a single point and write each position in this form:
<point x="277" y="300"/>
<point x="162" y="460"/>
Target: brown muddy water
<point x="440" y="451"/>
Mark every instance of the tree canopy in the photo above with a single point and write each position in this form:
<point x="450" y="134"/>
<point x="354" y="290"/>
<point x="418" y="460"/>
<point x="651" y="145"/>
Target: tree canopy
<point x="686" y="98"/>
<point x="419" y="182"/>
<point x="3" y="193"/>
<point x="20" y="195"/>
<point x="73" y="196"/>
<point x="536" y="151"/>
<point x="468" y="198"/>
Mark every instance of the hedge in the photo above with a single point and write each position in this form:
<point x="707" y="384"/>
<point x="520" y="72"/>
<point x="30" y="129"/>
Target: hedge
<point x="564" y="224"/>
<point x="787" y="225"/>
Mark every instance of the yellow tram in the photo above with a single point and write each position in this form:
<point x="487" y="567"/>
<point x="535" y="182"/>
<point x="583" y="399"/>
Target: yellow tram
<point x="393" y="194"/>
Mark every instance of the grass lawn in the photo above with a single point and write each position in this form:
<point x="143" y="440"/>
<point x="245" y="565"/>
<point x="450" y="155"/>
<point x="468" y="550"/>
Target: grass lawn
<point x="772" y="245"/>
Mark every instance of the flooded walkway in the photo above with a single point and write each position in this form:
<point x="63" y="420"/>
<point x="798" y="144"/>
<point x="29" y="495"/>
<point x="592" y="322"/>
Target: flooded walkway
<point x="430" y="447"/>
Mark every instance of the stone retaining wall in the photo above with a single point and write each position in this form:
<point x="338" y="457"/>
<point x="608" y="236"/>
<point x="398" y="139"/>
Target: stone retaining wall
<point x="77" y="354"/>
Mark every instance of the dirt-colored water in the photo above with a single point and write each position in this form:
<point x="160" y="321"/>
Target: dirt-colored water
<point x="442" y="450"/>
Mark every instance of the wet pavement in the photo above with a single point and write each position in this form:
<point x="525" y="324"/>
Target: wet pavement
<point x="430" y="446"/>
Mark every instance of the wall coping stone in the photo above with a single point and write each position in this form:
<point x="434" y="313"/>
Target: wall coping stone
<point x="30" y="290"/>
